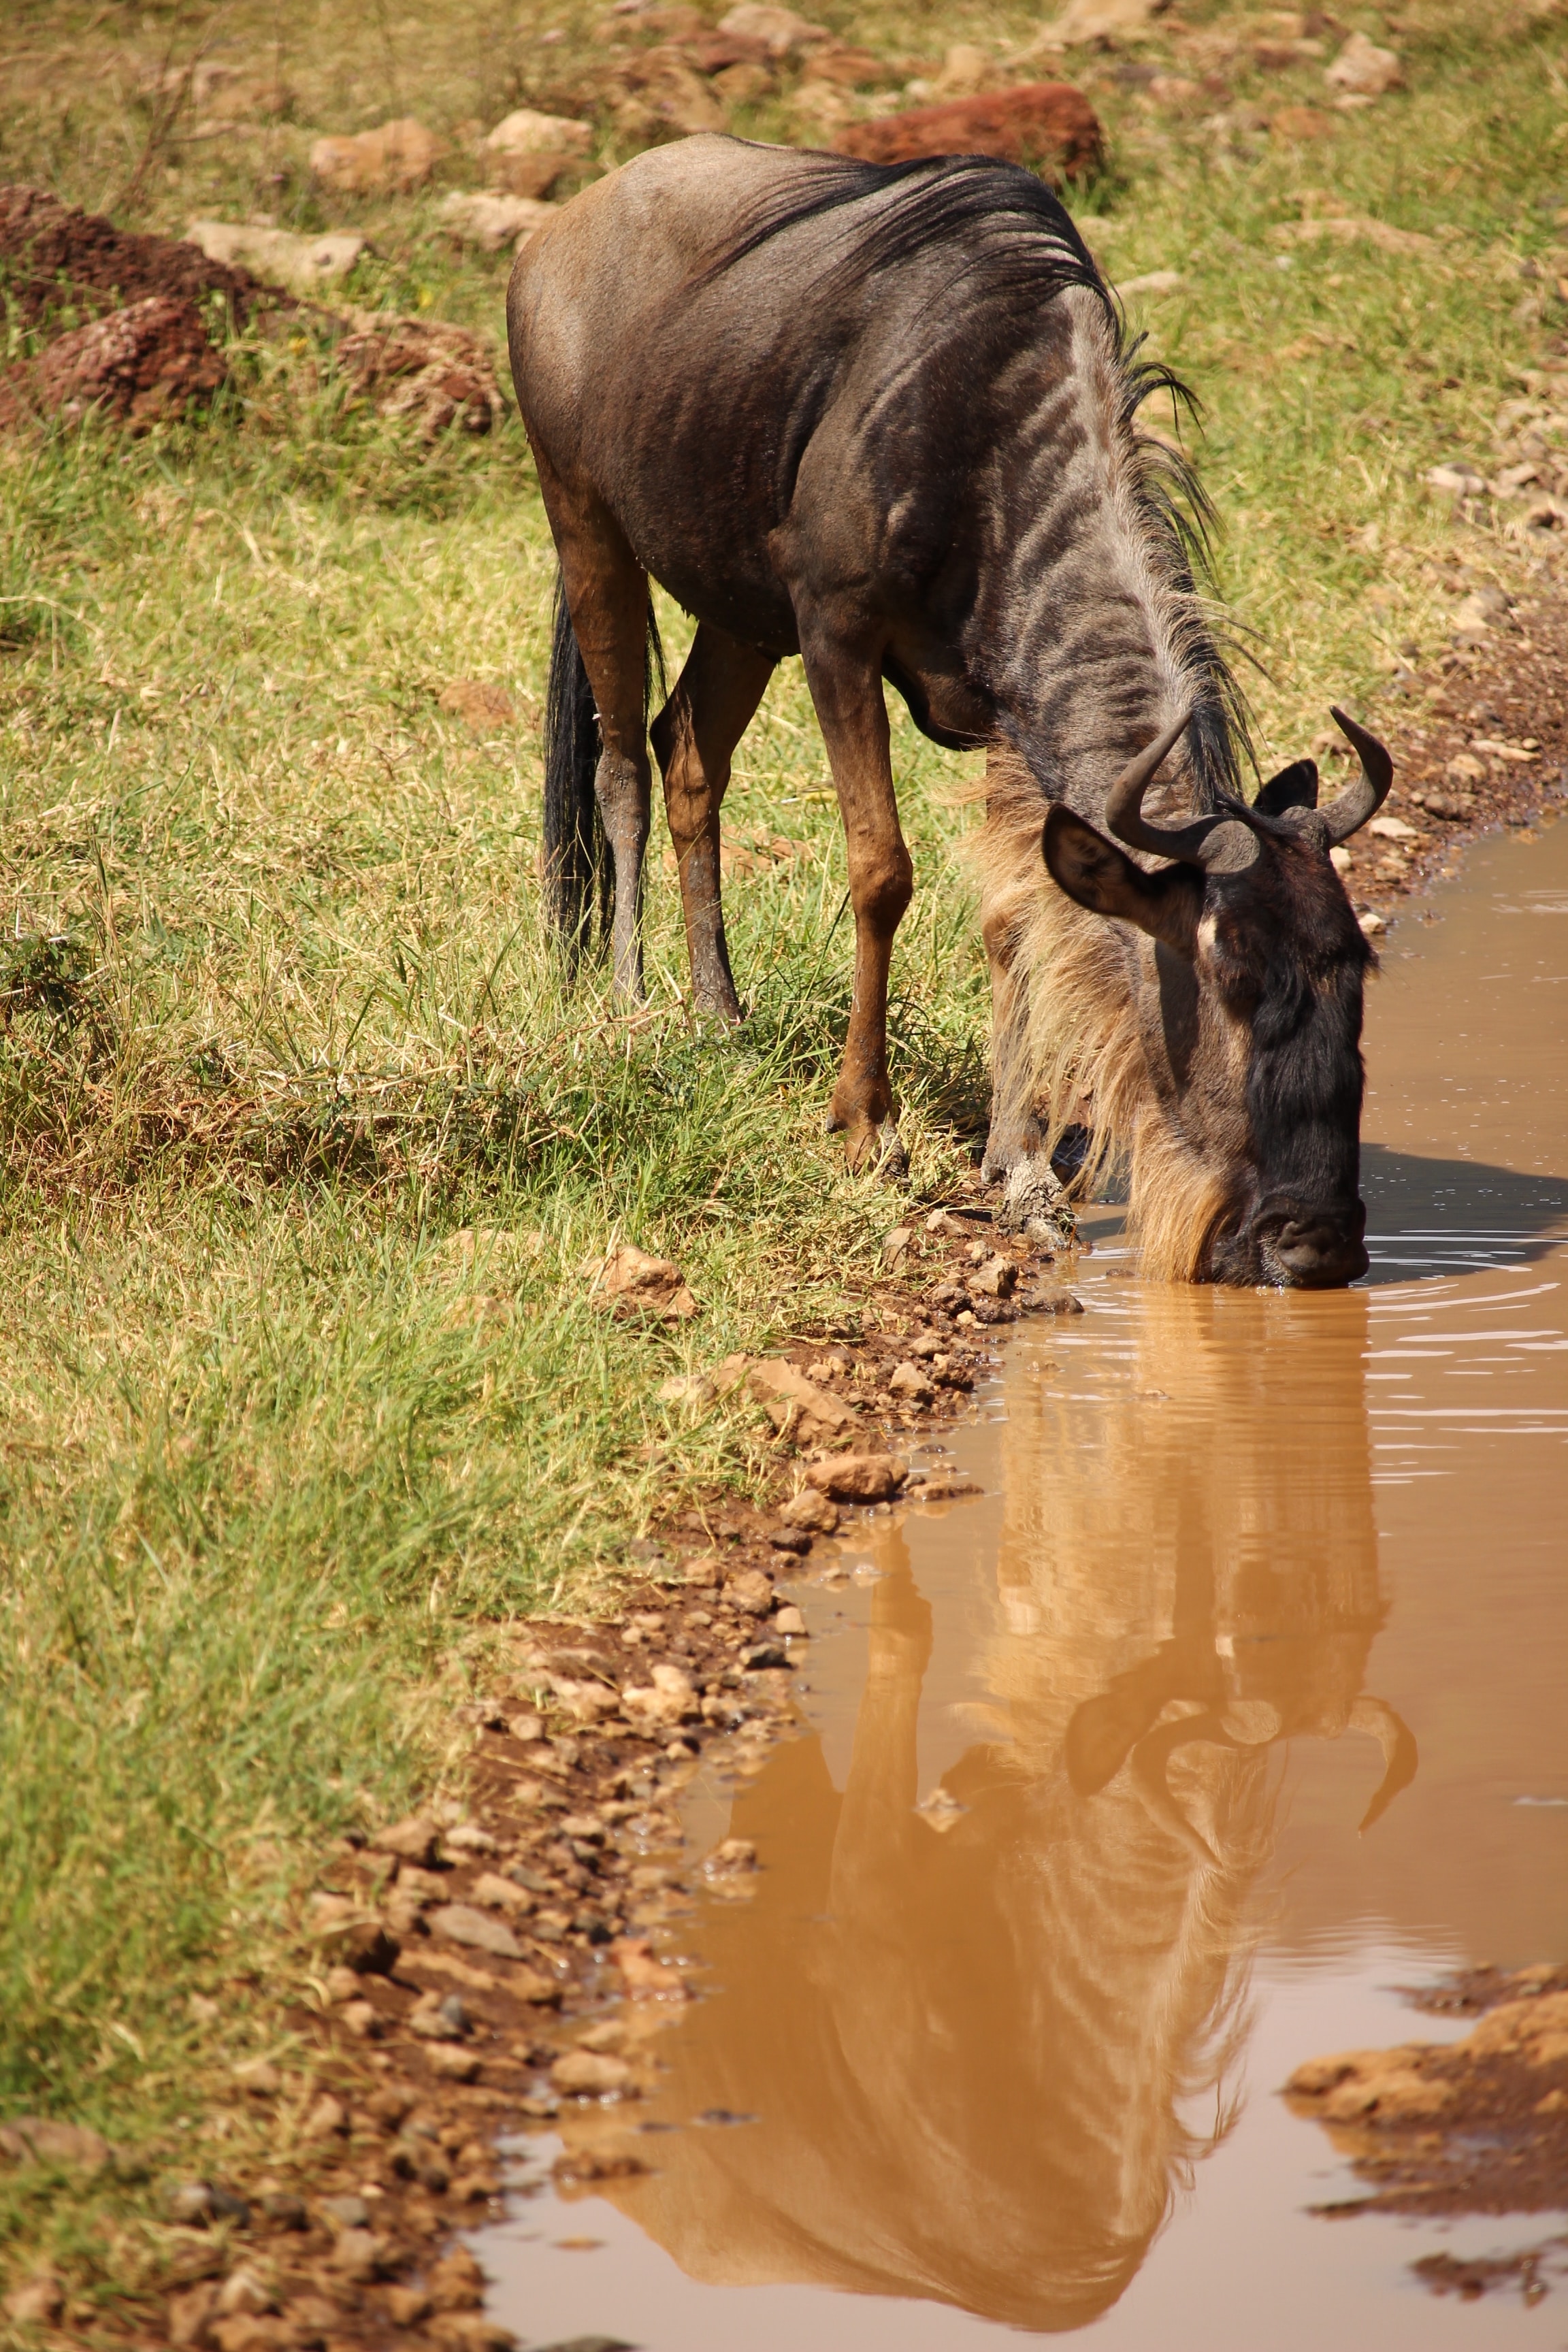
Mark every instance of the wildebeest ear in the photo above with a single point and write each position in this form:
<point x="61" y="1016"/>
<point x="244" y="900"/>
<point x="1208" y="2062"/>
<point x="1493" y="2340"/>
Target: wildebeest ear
<point x="1294" y="787"/>
<point x="1103" y="878"/>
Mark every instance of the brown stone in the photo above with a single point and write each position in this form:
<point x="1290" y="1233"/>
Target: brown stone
<point x="635" y="1284"/>
<point x="796" y="1406"/>
<point x="810" y="1510"/>
<point x="590" y="2073"/>
<point x="1047" y="125"/>
<point x="414" y="1840"/>
<point x="456" y="2282"/>
<point x="1298" y="123"/>
<point x="399" y="155"/>
<point x="452" y="2063"/>
<point x="858" y="1477"/>
<point x="461" y="1924"/>
<point x="36" y="2302"/>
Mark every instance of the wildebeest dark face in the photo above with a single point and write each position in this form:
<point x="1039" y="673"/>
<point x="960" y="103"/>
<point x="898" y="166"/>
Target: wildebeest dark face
<point x="1250" y="1003"/>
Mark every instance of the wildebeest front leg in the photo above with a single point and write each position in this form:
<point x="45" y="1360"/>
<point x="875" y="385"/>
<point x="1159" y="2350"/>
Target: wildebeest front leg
<point x="847" y="691"/>
<point x="694" y="736"/>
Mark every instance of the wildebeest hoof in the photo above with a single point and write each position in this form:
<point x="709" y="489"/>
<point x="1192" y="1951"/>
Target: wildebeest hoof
<point x="876" y="1152"/>
<point x="1033" y="1195"/>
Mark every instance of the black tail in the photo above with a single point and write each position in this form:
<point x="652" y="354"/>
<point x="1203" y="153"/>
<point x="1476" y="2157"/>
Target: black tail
<point x="578" y="869"/>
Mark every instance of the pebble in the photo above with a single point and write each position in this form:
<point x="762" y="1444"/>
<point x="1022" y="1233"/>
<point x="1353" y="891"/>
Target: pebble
<point x="452" y="2062"/>
<point x="590" y="2073"/>
<point x="908" y="1381"/>
<point x="810" y="1509"/>
<point x="416" y="1839"/>
<point x="242" y="2291"/>
<point x="789" y="1620"/>
<point x="327" y="2117"/>
<point x="858" y="1477"/>
<point x="461" y="1924"/>
<point x="467" y="1837"/>
<point x="260" y="2077"/>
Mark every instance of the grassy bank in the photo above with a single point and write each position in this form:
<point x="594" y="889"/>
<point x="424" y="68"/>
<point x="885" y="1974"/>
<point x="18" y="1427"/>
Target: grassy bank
<point x="276" y="1445"/>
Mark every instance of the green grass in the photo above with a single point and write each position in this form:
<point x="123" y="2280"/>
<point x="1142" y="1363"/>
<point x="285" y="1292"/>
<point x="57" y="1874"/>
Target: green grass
<point x="280" y="1021"/>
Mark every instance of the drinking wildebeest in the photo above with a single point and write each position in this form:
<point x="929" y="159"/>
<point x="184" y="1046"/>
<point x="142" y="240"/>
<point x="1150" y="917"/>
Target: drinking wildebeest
<point x="883" y="417"/>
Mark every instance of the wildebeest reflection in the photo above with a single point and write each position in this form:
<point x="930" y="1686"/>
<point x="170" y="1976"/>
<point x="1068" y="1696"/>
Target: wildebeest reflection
<point x="976" y="2052"/>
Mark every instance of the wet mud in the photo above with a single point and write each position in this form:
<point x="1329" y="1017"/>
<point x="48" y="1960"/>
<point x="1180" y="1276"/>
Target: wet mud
<point x="1113" y="1795"/>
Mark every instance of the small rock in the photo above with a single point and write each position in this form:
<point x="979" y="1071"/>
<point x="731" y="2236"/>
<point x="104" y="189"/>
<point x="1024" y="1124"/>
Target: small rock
<point x="1341" y="859"/>
<point x="1056" y="1302"/>
<point x="37" y="2303"/>
<point x="327" y="2117"/>
<point x="779" y="32"/>
<point x="498" y="1893"/>
<point x="1364" y="70"/>
<point x="1455" y="480"/>
<point x="1452" y="807"/>
<point x="810" y="1510"/>
<point x="472" y="2331"/>
<point x="407" y="2306"/>
<point x="243" y="2290"/>
<point x="858" y="1477"/>
<point x="530" y="151"/>
<point x="762" y="1655"/>
<point x="360" y="2255"/>
<point x="190" y="2313"/>
<point x="645" y="1976"/>
<point x="909" y="1380"/>
<point x="526" y="1727"/>
<point x="260" y="2077"/>
<point x="347" y="2213"/>
<point x="456" y="2282"/>
<point x="1463" y="768"/>
<point x="1153" y="281"/>
<point x="193" y="2204"/>
<point x="794" y="1540"/>
<point x="635" y="1284"/>
<point x="750" y="1591"/>
<point x="795" y="1405"/>
<point x="490" y="220"/>
<point x="789" y="1620"/>
<point x="896" y="1247"/>
<point x="467" y="1837"/>
<point x="302" y="264"/>
<point x="1393" y="828"/>
<point x="479" y="702"/>
<point x="363" y="2020"/>
<point x="693" y="1389"/>
<point x="590" y="2073"/>
<point x="417" y="1840"/>
<point x="459" y="1923"/>
<point x="1370" y="922"/>
<point x="286" y="2211"/>
<point x="453" y="2062"/>
<point x="400" y="154"/>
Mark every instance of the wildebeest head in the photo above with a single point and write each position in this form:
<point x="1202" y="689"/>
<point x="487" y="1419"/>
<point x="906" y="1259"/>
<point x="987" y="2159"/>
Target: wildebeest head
<point x="1250" y="1004"/>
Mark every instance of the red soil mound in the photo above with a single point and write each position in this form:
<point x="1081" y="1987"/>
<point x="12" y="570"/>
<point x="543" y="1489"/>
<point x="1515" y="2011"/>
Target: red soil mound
<point x="1045" y="123"/>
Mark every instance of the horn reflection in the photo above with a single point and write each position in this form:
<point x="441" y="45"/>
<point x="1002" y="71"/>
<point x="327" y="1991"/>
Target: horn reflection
<point x="971" y="2037"/>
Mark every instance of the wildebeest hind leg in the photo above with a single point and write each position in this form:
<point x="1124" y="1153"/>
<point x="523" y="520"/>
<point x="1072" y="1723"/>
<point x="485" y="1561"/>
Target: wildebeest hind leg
<point x="694" y="735"/>
<point x="606" y="595"/>
<point x="847" y="691"/>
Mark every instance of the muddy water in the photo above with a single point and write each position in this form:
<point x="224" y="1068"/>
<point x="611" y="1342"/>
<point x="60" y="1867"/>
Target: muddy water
<point x="1235" y="1702"/>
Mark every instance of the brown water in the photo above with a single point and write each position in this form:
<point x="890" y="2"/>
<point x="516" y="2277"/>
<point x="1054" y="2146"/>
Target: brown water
<point x="1236" y="1701"/>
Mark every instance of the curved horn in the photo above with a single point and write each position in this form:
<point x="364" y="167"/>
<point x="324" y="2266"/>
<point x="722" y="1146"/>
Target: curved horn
<point x="1345" y="814"/>
<point x="1149" y="1761"/>
<point x="1400" y="1754"/>
<point x="1219" y="843"/>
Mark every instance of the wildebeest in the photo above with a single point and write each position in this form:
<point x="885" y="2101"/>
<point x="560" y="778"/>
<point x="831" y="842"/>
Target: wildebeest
<point x="885" y="417"/>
